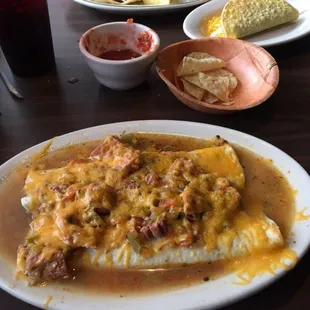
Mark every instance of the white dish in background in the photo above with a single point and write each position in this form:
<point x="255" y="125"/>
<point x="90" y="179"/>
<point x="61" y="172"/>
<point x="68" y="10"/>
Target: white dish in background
<point x="208" y="295"/>
<point x="140" y="9"/>
<point x="278" y="35"/>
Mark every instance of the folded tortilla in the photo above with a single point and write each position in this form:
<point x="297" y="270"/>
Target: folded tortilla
<point x="252" y="234"/>
<point x="221" y="160"/>
<point x="241" y="18"/>
<point x="141" y="209"/>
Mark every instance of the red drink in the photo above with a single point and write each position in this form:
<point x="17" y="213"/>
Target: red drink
<point x="25" y="36"/>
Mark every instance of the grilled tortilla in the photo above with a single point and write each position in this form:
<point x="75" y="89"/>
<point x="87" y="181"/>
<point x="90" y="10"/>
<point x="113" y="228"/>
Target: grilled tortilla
<point x="241" y="18"/>
<point x="256" y="234"/>
<point x="135" y="209"/>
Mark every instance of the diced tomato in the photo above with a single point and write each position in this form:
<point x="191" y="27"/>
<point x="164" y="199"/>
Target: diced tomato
<point x="96" y="151"/>
<point x="145" y="41"/>
<point x="167" y="203"/>
<point x="152" y="179"/>
<point x="70" y="193"/>
<point x="187" y="241"/>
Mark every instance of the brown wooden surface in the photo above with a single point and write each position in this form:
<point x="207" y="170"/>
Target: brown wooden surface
<point x="52" y="107"/>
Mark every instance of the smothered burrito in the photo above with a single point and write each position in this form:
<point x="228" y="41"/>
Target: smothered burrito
<point x="129" y="207"/>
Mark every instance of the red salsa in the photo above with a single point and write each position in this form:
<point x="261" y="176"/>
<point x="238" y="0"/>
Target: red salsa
<point x="145" y="40"/>
<point x="119" y="54"/>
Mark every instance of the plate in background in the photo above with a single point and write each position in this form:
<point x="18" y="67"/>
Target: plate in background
<point x="278" y="35"/>
<point x="140" y="9"/>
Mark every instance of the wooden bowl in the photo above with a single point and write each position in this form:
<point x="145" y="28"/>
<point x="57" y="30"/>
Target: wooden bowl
<point x="256" y="70"/>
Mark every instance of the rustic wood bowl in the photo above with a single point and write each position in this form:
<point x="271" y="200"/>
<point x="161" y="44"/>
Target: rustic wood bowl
<point x="256" y="70"/>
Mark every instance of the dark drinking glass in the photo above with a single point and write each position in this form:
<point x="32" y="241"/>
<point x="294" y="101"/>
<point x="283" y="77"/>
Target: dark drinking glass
<point x="25" y="36"/>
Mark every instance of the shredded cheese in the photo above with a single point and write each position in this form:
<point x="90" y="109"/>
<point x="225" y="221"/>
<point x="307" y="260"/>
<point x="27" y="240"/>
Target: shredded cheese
<point x="301" y="216"/>
<point x="47" y="302"/>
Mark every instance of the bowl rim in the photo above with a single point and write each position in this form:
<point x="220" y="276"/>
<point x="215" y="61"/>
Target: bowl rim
<point x="273" y="73"/>
<point x="152" y="51"/>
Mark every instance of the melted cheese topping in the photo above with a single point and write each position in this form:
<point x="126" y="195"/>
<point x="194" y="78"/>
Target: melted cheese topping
<point x="132" y="207"/>
<point x="220" y="160"/>
<point x="47" y="302"/>
<point x="301" y="216"/>
<point x="247" y="268"/>
<point x="212" y="27"/>
<point x="43" y="151"/>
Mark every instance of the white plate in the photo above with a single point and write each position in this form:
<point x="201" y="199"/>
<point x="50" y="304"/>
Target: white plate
<point x="282" y="34"/>
<point x="208" y="295"/>
<point x="140" y="9"/>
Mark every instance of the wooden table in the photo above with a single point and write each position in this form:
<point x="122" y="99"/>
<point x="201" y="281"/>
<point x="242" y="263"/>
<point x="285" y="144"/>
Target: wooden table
<point x="52" y="107"/>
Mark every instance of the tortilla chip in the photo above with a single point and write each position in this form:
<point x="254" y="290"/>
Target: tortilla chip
<point x="241" y="18"/>
<point x="227" y="103"/>
<point x="224" y="84"/>
<point x="209" y="98"/>
<point x="126" y="2"/>
<point x="197" y="62"/>
<point x="193" y="90"/>
<point x="209" y="86"/>
<point x="217" y="86"/>
<point x="233" y="82"/>
<point x="156" y="2"/>
<point x="193" y="79"/>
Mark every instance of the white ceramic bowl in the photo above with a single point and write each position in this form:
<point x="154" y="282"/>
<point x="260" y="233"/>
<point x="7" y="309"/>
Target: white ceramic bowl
<point x="119" y="74"/>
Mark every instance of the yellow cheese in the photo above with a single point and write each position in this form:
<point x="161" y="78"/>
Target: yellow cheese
<point x="301" y="216"/>
<point x="221" y="160"/>
<point x="62" y="202"/>
<point x="247" y="268"/>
